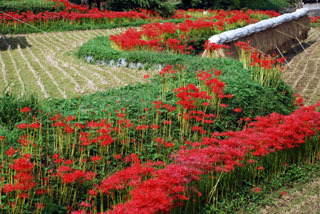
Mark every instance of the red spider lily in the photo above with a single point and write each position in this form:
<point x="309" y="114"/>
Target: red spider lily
<point x="25" y="110"/>
<point x="92" y="192"/>
<point x="96" y="158"/>
<point x="68" y="162"/>
<point x="260" y="168"/>
<point x="314" y="19"/>
<point x="10" y="152"/>
<point x="299" y="100"/>
<point x="117" y="157"/>
<point x="68" y="129"/>
<point x="213" y="46"/>
<point x="160" y="193"/>
<point x="174" y="37"/>
<point x="257" y="190"/>
<point x="237" y="110"/>
<point x="39" y="206"/>
<point x="23" y="126"/>
<point x="131" y="176"/>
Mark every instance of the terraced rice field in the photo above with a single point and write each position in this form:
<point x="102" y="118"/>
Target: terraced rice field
<point x="45" y="64"/>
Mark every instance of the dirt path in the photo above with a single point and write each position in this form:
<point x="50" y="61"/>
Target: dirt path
<point x="300" y="200"/>
<point x="43" y="64"/>
<point x="303" y="73"/>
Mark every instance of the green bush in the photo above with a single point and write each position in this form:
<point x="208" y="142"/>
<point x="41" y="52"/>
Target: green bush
<point x="162" y="7"/>
<point x="75" y="1"/>
<point x="206" y="4"/>
<point x="249" y="95"/>
<point x="265" y="5"/>
<point x="235" y="4"/>
<point x="10" y="107"/>
<point x="35" y="6"/>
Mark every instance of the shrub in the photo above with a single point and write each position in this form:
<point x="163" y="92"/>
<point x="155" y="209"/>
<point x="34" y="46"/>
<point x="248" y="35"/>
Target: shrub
<point x="10" y="108"/>
<point x="160" y="6"/>
<point x="249" y="95"/>
<point x="29" y="5"/>
<point x="235" y="4"/>
<point x="265" y="5"/>
<point x="206" y="4"/>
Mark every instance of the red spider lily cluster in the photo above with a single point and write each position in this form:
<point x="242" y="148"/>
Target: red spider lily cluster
<point x="218" y="14"/>
<point x="103" y="165"/>
<point x="265" y="69"/>
<point x="75" y="14"/>
<point x="76" y="17"/>
<point x="315" y="19"/>
<point x="167" y="187"/>
<point x="177" y="37"/>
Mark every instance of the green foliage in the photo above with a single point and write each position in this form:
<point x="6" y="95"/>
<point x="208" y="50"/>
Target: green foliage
<point x="11" y="105"/>
<point x="249" y="95"/>
<point x="35" y="6"/>
<point x="75" y="1"/>
<point x="206" y="4"/>
<point x="265" y="5"/>
<point x="67" y="26"/>
<point x="61" y="26"/>
<point x="160" y="6"/>
<point x="294" y="175"/>
<point x="235" y="4"/>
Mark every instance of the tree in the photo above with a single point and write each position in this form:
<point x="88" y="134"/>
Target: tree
<point x="98" y="3"/>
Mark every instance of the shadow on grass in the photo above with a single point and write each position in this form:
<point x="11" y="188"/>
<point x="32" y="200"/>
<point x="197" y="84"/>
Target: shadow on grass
<point x="13" y="42"/>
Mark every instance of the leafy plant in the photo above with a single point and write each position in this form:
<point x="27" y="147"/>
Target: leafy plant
<point x="249" y="95"/>
<point x="10" y="108"/>
<point x="160" y="6"/>
<point x="35" y="6"/>
<point x="235" y="4"/>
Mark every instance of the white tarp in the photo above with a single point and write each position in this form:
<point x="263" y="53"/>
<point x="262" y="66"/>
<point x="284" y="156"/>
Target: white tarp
<point x="233" y="35"/>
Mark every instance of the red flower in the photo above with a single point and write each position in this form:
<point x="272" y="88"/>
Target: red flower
<point x="39" y="206"/>
<point x="92" y="192"/>
<point x="257" y="190"/>
<point x="260" y="168"/>
<point x="11" y="152"/>
<point x="146" y="76"/>
<point x="283" y="193"/>
<point x="25" y="110"/>
<point x="68" y="162"/>
<point x="117" y="157"/>
<point x="222" y="105"/>
<point x="23" y="126"/>
<point x="237" y="110"/>
<point x="96" y="159"/>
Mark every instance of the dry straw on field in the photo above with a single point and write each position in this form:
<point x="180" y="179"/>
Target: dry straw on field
<point x="283" y="36"/>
